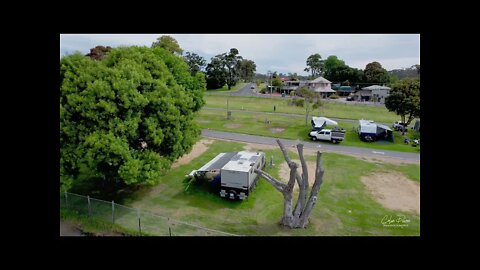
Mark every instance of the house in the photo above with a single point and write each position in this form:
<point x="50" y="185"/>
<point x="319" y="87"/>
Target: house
<point x="319" y="85"/>
<point x="375" y="93"/>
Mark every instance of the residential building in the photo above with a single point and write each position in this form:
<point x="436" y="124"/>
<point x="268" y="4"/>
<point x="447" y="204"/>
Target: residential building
<point x="319" y="85"/>
<point x="373" y="93"/>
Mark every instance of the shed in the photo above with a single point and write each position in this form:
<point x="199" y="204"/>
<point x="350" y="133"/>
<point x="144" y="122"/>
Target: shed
<point x="344" y="90"/>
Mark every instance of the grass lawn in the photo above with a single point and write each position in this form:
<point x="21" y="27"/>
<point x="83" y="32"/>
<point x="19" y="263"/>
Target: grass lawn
<point x="344" y="206"/>
<point x="95" y="225"/>
<point x="328" y="109"/>
<point x="224" y="89"/>
<point x="293" y="128"/>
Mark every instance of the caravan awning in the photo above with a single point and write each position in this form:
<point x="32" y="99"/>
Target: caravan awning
<point x="384" y="127"/>
<point x="319" y="121"/>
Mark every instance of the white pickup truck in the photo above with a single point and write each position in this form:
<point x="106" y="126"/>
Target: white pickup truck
<point x="334" y="135"/>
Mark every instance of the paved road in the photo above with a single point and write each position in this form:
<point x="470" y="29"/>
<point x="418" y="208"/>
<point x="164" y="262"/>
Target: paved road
<point x="312" y="145"/>
<point x="287" y="115"/>
<point x="245" y="91"/>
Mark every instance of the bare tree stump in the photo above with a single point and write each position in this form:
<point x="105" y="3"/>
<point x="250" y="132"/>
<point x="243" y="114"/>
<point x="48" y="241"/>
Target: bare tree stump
<point x="296" y="217"/>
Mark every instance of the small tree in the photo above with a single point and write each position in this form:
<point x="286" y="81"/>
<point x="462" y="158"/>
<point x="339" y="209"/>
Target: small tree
<point x="296" y="217"/>
<point x="311" y="100"/>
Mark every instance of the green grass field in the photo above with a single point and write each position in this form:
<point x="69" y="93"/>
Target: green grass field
<point x="344" y="206"/>
<point x="328" y="109"/>
<point x="293" y="128"/>
<point x="224" y="89"/>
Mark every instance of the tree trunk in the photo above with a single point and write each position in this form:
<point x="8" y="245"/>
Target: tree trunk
<point x="298" y="217"/>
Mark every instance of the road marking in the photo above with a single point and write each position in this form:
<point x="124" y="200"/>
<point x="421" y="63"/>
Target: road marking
<point x="381" y="153"/>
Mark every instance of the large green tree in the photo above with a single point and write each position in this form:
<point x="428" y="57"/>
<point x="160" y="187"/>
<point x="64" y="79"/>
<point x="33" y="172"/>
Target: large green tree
<point x="124" y="119"/>
<point x="404" y="100"/>
<point x="230" y="61"/>
<point x="331" y="64"/>
<point x="168" y="43"/>
<point x="195" y="62"/>
<point x="216" y="74"/>
<point x="246" y="69"/>
<point x="315" y="65"/>
<point x="375" y="74"/>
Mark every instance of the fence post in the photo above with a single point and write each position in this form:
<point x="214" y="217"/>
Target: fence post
<point x="89" y="207"/>
<point x="139" y="224"/>
<point x="113" y="212"/>
<point x="66" y="199"/>
<point x="168" y="222"/>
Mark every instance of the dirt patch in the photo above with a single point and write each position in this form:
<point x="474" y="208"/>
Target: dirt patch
<point x="276" y="130"/>
<point x="232" y="125"/>
<point x="390" y="160"/>
<point x="69" y="229"/>
<point x="394" y="191"/>
<point x="285" y="172"/>
<point x="256" y="147"/>
<point x="199" y="148"/>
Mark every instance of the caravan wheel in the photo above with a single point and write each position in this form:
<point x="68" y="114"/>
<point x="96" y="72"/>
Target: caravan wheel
<point x="232" y="194"/>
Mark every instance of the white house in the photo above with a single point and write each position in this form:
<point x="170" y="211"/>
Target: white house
<point x="375" y="93"/>
<point x="319" y="85"/>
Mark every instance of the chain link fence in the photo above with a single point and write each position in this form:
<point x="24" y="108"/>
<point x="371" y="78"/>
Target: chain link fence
<point x="134" y="219"/>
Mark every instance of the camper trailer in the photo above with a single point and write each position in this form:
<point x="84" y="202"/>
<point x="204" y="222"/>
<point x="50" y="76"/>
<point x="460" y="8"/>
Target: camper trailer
<point x="233" y="172"/>
<point x="370" y="131"/>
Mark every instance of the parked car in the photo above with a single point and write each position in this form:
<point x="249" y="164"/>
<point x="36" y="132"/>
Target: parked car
<point x="349" y="98"/>
<point x="334" y="135"/>
<point x="398" y="125"/>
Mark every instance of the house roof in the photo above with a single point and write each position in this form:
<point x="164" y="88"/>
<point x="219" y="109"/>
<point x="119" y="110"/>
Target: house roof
<point x="345" y="88"/>
<point x="323" y="90"/>
<point x="320" y="80"/>
<point x="376" y="87"/>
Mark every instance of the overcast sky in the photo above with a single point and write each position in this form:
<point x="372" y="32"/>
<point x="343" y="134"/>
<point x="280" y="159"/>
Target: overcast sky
<point x="283" y="53"/>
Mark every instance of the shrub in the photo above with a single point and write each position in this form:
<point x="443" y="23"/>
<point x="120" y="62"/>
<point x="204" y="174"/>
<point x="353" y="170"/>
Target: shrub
<point x="333" y="96"/>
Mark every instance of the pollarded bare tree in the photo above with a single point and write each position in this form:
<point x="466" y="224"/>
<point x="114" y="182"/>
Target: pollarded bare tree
<point x="298" y="217"/>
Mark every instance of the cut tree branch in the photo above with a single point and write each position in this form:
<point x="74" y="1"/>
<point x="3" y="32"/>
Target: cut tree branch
<point x="275" y="183"/>
<point x="313" y="194"/>
<point x="303" y="185"/>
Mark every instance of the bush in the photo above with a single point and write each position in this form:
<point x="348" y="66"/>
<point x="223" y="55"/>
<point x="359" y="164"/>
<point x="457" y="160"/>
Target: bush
<point x="299" y="102"/>
<point x="263" y="91"/>
<point x="333" y="96"/>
